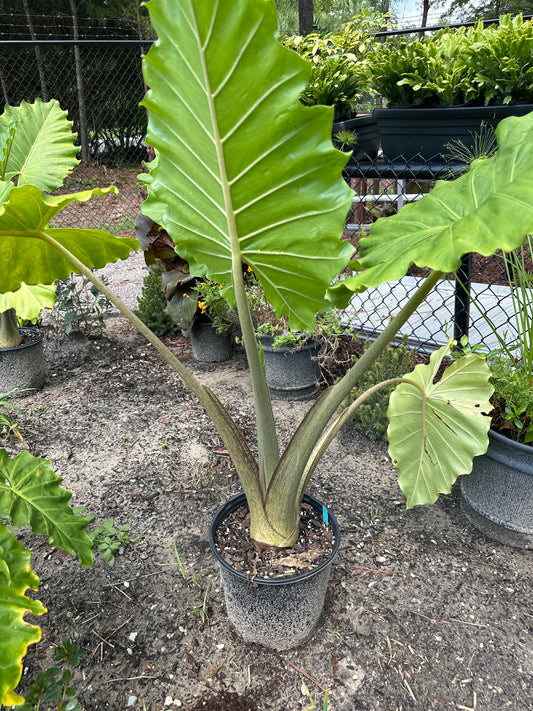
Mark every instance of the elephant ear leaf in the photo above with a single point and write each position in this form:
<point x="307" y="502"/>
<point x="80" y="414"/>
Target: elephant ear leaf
<point x="26" y="255"/>
<point x="16" y="577"/>
<point x="30" y="495"/>
<point x="247" y="173"/>
<point x="29" y="301"/>
<point x="436" y="428"/>
<point x="41" y="150"/>
<point x="469" y="214"/>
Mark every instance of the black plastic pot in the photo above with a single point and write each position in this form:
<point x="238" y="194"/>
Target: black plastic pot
<point x="408" y="131"/>
<point x="497" y="497"/>
<point x="366" y="128"/>
<point x="208" y="345"/>
<point x="279" y="614"/>
<point x="291" y="373"/>
<point x="23" y="366"/>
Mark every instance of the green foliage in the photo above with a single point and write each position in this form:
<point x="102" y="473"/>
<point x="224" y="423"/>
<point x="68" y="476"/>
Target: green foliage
<point x="370" y="417"/>
<point x="437" y="427"/>
<point x="211" y="301"/>
<point x="7" y="425"/>
<point x="107" y="539"/>
<point x="339" y="76"/>
<point x="501" y="62"/>
<point x="30" y="495"/>
<point x="51" y="688"/>
<point x="152" y="304"/>
<point x="512" y="362"/>
<point x="479" y="66"/>
<point x="79" y="306"/>
<point x="438" y="237"/>
<point x="16" y="576"/>
<point x="230" y="186"/>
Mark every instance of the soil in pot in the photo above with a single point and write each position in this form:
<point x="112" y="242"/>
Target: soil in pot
<point x="274" y="597"/>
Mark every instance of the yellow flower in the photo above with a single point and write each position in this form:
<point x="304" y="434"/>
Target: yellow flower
<point x="202" y="306"/>
<point x="249" y="269"/>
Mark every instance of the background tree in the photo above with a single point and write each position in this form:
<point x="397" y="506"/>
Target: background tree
<point x="470" y="10"/>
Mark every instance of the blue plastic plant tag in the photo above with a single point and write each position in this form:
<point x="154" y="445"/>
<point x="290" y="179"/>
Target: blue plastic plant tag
<point x="325" y="517"/>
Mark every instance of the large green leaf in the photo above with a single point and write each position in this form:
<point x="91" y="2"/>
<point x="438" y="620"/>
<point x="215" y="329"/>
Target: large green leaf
<point x="32" y="261"/>
<point x="435" y="432"/>
<point x="29" y="301"/>
<point x="43" y="151"/>
<point x="247" y="172"/>
<point x="16" y="577"/>
<point x="30" y="495"/>
<point x="470" y="214"/>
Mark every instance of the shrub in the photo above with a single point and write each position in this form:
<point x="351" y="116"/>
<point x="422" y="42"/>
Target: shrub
<point x="152" y="304"/>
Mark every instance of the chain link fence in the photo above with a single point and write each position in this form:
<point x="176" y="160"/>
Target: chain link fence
<point x="100" y="84"/>
<point x="382" y="188"/>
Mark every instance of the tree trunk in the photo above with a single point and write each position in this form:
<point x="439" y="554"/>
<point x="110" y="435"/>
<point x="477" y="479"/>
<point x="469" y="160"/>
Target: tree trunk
<point x="425" y="12"/>
<point x="84" y="139"/>
<point x="38" y="56"/>
<point x="305" y="16"/>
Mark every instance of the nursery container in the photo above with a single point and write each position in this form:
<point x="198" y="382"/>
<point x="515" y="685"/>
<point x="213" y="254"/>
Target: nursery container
<point x="366" y="128"/>
<point x="277" y="613"/>
<point x="23" y="366"/>
<point x="497" y="497"/>
<point x="208" y="345"/>
<point x="424" y="132"/>
<point x="291" y="373"/>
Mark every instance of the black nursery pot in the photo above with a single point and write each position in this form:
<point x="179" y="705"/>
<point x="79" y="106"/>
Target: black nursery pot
<point x="208" y="345"/>
<point x="291" y="373"/>
<point x="23" y="366"/>
<point x="276" y="613"/>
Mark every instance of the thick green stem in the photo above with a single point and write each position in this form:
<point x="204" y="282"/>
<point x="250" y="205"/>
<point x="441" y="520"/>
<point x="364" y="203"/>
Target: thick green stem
<point x="267" y="439"/>
<point x="9" y="333"/>
<point x="293" y="472"/>
<point x="329" y="434"/>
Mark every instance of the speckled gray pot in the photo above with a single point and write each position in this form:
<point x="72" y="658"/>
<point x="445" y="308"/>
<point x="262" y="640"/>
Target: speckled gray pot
<point x="497" y="497"/>
<point x="291" y="373"/>
<point x="23" y="366"/>
<point x="279" y="614"/>
<point x="208" y="345"/>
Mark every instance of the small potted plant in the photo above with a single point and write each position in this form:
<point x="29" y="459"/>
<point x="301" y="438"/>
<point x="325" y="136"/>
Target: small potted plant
<point x="234" y="187"/>
<point x="442" y="88"/>
<point x="27" y="160"/>
<point x="498" y="496"/>
<point x="211" y="328"/>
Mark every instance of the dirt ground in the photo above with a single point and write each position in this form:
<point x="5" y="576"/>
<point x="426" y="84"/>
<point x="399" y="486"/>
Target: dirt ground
<point x="422" y="611"/>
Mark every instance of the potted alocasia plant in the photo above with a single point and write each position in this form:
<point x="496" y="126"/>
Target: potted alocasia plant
<point x="32" y="152"/>
<point x="37" y="152"/>
<point x="443" y="87"/>
<point x="230" y="185"/>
